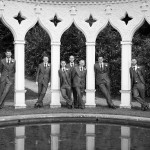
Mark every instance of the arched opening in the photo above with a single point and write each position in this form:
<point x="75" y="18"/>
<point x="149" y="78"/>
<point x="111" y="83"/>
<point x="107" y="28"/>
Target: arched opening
<point x="141" y="51"/>
<point x="108" y="46"/>
<point x="6" y="42"/>
<point x="38" y="43"/>
<point x="73" y="43"/>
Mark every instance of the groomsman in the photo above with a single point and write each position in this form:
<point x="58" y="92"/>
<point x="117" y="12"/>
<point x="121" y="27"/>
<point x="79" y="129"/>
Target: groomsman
<point x="43" y="80"/>
<point x="137" y="75"/>
<point x="71" y="65"/>
<point x="79" y="82"/>
<point x="7" y="72"/>
<point x="103" y="81"/>
<point x="65" y="83"/>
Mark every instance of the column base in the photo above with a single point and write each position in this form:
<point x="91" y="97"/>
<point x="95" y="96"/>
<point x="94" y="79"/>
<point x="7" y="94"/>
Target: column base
<point x="20" y="99"/>
<point x="55" y="99"/>
<point x="90" y="98"/>
<point x="125" y="99"/>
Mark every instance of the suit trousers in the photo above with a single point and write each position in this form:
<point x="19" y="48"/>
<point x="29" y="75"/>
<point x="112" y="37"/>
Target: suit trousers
<point x="139" y="93"/>
<point x="4" y="90"/>
<point x="74" y="96"/>
<point x="41" y="92"/>
<point x="80" y="91"/>
<point x="66" y="94"/>
<point x="105" y="89"/>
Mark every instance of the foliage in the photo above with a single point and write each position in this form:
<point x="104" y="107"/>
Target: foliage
<point x="108" y="46"/>
<point x="141" y="51"/>
<point x="73" y="43"/>
<point x="6" y="40"/>
<point x="37" y="43"/>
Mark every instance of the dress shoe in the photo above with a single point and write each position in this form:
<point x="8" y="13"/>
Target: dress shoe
<point x="82" y="107"/>
<point x="112" y="106"/>
<point x="144" y="108"/>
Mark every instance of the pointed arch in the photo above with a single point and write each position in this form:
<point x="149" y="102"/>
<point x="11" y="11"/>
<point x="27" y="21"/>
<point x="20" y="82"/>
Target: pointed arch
<point x="73" y="43"/>
<point x="76" y="25"/>
<point x="38" y="43"/>
<point x="108" y="46"/>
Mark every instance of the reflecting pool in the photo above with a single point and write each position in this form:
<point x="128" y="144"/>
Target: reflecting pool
<point x="74" y="136"/>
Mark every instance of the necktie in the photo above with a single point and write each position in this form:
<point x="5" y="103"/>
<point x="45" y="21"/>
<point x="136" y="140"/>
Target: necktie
<point x="8" y="61"/>
<point x="45" y="66"/>
<point x="71" y="64"/>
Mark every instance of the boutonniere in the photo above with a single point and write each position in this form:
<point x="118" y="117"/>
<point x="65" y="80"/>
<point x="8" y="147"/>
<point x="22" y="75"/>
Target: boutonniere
<point x="138" y="67"/>
<point x="48" y="65"/>
<point x="106" y="65"/>
<point x="12" y="60"/>
<point x="67" y="69"/>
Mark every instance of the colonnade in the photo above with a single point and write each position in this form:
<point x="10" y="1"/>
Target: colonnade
<point x="126" y="16"/>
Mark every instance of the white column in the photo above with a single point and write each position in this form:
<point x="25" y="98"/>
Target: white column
<point x="90" y="78"/>
<point x="125" y="74"/>
<point x="55" y="65"/>
<point x="90" y="136"/>
<point x="20" y="74"/>
<point x="125" y="138"/>
<point x="20" y="138"/>
<point x="55" y="133"/>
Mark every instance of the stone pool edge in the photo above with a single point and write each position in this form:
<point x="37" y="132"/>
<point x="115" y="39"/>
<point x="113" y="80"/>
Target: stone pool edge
<point x="51" y="118"/>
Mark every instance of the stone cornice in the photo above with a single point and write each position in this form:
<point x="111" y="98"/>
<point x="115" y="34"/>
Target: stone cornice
<point x="80" y="2"/>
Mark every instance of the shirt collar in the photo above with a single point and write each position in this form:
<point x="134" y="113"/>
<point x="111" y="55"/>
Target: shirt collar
<point x="8" y="59"/>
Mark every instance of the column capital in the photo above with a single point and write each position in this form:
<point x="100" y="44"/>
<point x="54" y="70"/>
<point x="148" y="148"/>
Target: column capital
<point x="90" y="43"/>
<point x="126" y="42"/>
<point x="55" y="43"/>
<point x="19" y="42"/>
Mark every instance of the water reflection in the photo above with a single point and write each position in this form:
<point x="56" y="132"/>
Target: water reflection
<point x="71" y="136"/>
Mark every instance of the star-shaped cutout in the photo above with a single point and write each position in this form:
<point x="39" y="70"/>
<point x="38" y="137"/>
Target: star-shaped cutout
<point x="91" y="20"/>
<point x="127" y="18"/>
<point x="19" y="18"/>
<point x="55" y="20"/>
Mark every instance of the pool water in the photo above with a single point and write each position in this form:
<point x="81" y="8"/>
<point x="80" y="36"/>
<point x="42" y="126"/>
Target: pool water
<point x="74" y="136"/>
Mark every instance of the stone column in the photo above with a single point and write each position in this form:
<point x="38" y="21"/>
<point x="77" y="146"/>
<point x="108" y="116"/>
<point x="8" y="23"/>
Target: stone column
<point x="90" y="136"/>
<point x="20" y="138"/>
<point x="55" y="65"/>
<point x="125" y="74"/>
<point x="20" y="74"/>
<point x="90" y="78"/>
<point x="125" y="138"/>
<point x="55" y="132"/>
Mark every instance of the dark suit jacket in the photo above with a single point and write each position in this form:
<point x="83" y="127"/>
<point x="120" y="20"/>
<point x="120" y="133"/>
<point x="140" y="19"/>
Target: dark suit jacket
<point x="43" y="75"/>
<point x="79" y="77"/>
<point x="7" y="70"/>
<point x="141" y="72"/>
<point x="68" y="66"/>
<point x="101" y="75"/>
<point x="66" y="76"/>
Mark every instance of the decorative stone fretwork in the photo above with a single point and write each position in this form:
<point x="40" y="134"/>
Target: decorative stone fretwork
<point x="55" y="20"/>
<point x="19" y="18"/>
<point x="127" y="18"/>
<point x="144" y="6"/>
<point x="91" y="20"/>
<point x="2" y="5"/>
<point x="38" y="9"/>
<point x="73" y="10"/>
<point x="108" y="10"/>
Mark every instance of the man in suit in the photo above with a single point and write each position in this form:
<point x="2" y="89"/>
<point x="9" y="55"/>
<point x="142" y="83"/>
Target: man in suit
<point x="7" y="72"/>
<point x="102" y="80"/>
<point x="79" y="82"/>
<point x="65" y="84"/>
<point x="137" y="75"/>
<point x="71" y="65"/>
<point x="43" y="80"/>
